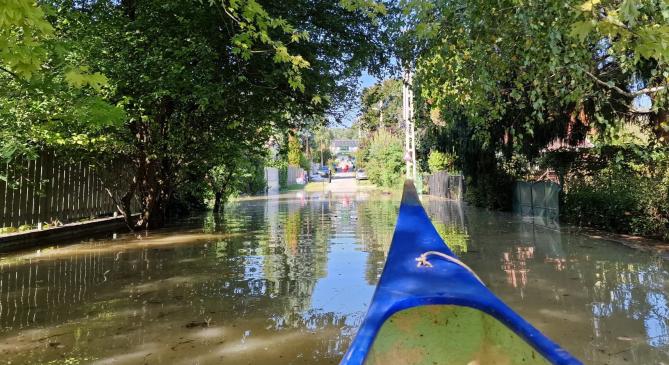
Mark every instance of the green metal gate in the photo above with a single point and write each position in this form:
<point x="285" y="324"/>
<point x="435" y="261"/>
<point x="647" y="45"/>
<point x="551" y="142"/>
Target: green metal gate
<point x="540" y="200"/>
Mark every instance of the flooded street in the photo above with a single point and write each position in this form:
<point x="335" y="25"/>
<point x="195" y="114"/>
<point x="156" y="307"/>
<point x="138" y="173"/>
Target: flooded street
<point x="287" y="280"/>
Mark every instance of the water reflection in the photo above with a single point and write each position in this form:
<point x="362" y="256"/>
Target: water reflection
<point x="287" y="279"/>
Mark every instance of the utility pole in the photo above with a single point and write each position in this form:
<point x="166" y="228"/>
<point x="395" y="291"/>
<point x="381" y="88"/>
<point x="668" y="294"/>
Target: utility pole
<point x="405" y="119"/>
<point x="409" y="125"/>
<point x="381" y="114"/>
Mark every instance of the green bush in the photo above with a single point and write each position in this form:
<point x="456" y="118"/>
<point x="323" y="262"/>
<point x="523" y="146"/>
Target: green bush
<point x="7" y="230"/>
<point x="294" y="151"/>
<point x="623" y="189"/>
<point x="620" y="201"/>
<point x="491" y="191"/>
<point x="283" y="176"/>
<point x="305" y="163"/>
<point x="252" y="179"/>
<point x="25" y="228"/>
<point x="383" y="159"/>
<point x="440" y="161"/>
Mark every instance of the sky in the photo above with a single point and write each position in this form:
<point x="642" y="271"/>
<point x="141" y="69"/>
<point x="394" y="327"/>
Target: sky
<point x="364" y="81"/>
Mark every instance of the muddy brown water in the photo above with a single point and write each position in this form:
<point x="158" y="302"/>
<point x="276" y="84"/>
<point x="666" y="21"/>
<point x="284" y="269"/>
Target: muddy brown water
<point x="287" y="280"/>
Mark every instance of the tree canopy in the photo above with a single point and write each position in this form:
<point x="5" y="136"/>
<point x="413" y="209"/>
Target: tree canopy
<point x="498" y="92"/>
<point x="177" y="87"/>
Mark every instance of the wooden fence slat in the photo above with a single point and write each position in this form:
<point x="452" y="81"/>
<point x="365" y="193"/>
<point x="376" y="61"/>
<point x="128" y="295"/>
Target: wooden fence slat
<point x="30" y="193"/>
<point x="107" y="182"/>
<point x="3" y="195"/>
<point x="89" y="192"/>
<point x="62" y="199"/>
<point x="45" y="187"/>
<point x="94" y="177"/>
<point x="84" y="189"/>
<point x="39" y="166"/>
<point x="100" y="193"/>
<point x="74" y="171"/>
<point x="10" y="196"/>
<point x="30" y="197"/>
<point x="79" y="189"/>
<point x="67" y="211"/>
<point x="96" y="200"/>
<point x="16" y="197"/>
<point x="56" y="189"/>
<point x="23" y="193"/>
<point x="76" y="190"/>
<point x="57" y="181"/>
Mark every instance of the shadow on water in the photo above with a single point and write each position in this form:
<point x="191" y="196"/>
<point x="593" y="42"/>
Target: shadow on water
<point x="288" y="278"/>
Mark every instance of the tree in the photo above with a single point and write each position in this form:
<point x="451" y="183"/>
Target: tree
<point x="322" y="139"/>
<point x="23" y="29"/>
<point x="381" y="156"/>
<point x="381" y="105"/>
<point x="294" y="151"/>
<point x="500" y="92"/>
<point x="630" y="40"/>
<point x="169" y="83"/>
<point x="50" y="98"/>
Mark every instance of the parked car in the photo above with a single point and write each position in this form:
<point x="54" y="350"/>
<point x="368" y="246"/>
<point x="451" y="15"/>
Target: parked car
<point x="324" y="172"/>
<point x="361" y="174"/>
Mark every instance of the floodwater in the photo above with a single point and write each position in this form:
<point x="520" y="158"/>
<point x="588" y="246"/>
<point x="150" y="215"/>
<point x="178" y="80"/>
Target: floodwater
<point x="287" y="280"/>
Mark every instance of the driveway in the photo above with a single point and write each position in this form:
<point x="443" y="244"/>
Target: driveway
<point x="343" y="182"/>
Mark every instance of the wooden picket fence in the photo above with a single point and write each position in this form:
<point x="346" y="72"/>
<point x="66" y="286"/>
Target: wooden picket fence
<point x="52" y="189"/>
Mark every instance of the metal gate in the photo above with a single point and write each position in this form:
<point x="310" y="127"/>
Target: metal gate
<point x="537" y="199"/>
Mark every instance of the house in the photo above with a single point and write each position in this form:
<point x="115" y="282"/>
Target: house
<point x="343" y="146"/>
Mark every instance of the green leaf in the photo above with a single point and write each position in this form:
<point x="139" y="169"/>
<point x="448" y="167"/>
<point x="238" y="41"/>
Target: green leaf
<point x="589" y="4"/>
<point x="629" y="10"/>
<point x="581" y="29"/>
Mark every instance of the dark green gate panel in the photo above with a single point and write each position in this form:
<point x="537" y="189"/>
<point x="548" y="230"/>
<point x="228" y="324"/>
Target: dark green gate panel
<point x="540" y="200"/>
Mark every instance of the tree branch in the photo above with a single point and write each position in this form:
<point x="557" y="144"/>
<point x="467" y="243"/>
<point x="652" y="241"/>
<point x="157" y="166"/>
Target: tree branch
<point x="10" y="72"/>
<point x="648" y="90"/>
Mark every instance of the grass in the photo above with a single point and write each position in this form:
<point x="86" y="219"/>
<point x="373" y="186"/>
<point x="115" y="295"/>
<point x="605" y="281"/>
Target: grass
<point x="367" y="185"/>
<point x="316" y="186"/>
<point x="292" y="187"/>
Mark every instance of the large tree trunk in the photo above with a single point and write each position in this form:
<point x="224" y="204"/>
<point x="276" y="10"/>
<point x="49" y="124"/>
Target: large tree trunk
<point x="217" y="201"/>
<point x="125" y="201"/>
<point x="123" y="204"/>
<point x="154" y="195"/>
<point x="221" y="196"/>
<point x="154" y="168"/>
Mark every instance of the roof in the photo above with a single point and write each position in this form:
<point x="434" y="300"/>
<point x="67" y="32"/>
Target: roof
<point x="344" y="143"/>
<point x="561" y="144"/>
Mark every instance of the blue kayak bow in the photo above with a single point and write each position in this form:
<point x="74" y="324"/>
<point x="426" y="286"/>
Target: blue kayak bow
<point x="409" y="280"/>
